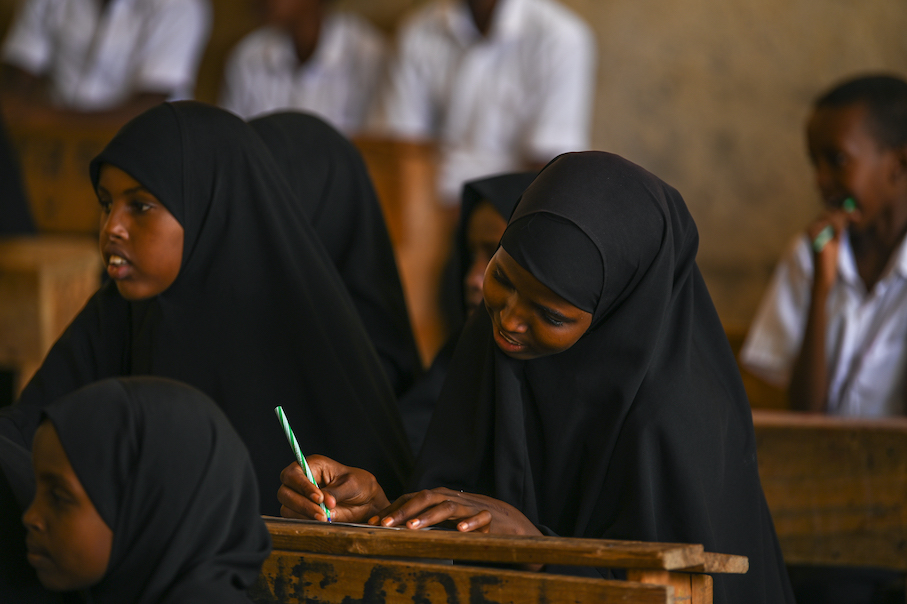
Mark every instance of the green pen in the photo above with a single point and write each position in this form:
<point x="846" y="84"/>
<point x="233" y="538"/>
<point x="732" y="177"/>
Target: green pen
<point x="826" y="234"/>
<point x="291" y="438"/>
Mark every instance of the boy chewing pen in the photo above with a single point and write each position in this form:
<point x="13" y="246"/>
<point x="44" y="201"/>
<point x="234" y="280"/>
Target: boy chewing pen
<point x="832" y="326"/>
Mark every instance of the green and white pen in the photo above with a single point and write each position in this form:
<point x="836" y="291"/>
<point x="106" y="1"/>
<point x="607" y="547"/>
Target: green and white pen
<point x="826" y="234"/>
<point x="291" y="438"/>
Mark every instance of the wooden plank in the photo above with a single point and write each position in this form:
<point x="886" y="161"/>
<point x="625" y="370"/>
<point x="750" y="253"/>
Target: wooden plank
<point x="335" y="539"/>
<point x="44" y="283"/>
<point x="688" y="588"/>
<point x="722" y="563"/>
<point x="291" y="577"/>
<point x="837" y="488"/>
<point x="54" y="160"/>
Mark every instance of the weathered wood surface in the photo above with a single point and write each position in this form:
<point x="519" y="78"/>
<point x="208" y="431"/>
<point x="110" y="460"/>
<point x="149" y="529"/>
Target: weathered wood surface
<point x="688" y="588"/>
<point x="44" y="283"/>
<point x="836" y="488"/>
<point x="54" y="160"/>
<point x="322" y="538"/>
<point x="290" y="577"/>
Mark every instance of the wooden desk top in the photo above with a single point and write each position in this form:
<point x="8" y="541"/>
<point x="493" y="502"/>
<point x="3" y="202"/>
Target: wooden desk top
<point x="337" y="539"/>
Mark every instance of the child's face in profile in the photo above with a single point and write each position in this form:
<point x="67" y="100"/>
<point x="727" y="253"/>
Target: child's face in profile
<point x="850" y="162"/>
<point x="68" y="542"/>
<point x="141" y="241"/>
<point x="484" y="230"/>
<point x="529" y="320"/>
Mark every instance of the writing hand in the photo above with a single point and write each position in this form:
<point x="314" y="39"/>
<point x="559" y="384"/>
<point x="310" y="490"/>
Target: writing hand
<point x="351" y="494"/>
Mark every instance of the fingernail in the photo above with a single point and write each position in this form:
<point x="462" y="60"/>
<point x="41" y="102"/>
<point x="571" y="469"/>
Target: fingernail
<point x="415" y="522"/>
<point x="462" y="526"/>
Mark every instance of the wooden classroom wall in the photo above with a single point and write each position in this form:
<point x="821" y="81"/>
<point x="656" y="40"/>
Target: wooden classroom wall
<point x="710" y="95"/>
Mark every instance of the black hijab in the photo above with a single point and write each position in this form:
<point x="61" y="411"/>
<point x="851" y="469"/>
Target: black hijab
<point x="642" y="429"/>
<point x="257" y="316"/>
<point x="171" y="478"/>
<point x="330" y="180"/>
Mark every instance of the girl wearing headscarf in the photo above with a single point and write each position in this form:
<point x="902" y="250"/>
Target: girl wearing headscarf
<point x="329" y="178"/>
<point x="598" y="396"/>
<point x="217" y="280"/>
<point x="486" y="205"/>
<point x="145" y="494"/>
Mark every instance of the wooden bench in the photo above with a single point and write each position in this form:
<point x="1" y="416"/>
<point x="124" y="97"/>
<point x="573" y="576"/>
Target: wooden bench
<point x="44" y="283"/>
<point x="341" y="564"/>
<point x="836" y="488"/>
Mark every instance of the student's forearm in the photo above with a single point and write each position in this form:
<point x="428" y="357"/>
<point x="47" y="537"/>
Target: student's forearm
<point x="809" y="382"/>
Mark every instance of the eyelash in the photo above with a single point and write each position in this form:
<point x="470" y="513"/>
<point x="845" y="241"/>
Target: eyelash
<point x="552" y="320"/>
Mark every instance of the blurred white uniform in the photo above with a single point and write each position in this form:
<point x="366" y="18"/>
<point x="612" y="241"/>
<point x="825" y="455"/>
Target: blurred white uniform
<point x="865" y="339"/>
<point x="337" y="83"/>
<point x="521" y="94"/>
<point x="96" y="59"/>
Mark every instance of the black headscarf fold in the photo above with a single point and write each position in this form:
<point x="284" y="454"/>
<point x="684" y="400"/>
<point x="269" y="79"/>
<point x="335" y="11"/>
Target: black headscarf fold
<point x="330" y="181"/>
<point x="257" y="317"/>
<point x="641" y="430"/>
<point x="171" y="478"/>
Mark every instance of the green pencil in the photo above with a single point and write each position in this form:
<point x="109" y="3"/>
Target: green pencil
<point x="291" y="438"/>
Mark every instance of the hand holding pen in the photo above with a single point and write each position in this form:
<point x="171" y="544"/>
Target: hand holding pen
<point x="291" y="438"/>
<point x="824" y="234"/>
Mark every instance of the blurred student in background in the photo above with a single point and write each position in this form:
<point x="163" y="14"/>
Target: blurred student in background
<point x="502" y="85"/>
<point x="309" y="58"/>
<point x="102" y="56"/>
<point x="832" y="327"/>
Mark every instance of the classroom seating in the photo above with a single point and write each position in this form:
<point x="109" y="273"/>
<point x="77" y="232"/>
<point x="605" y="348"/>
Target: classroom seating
<point x="836" y="488"/>
<point x="341" y="564"/>
<point x="44" y="283"/>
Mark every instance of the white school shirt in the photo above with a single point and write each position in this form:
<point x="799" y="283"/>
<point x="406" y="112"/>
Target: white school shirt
<point x="866" y="335"/>
<point x="523" y="94"/>
<point x="337" y="83"/>
<point x="96" y="60"/>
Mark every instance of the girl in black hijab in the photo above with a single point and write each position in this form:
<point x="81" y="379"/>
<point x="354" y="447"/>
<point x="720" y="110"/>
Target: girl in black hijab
<point x="331" y="183"/>
<point x="598" y="396"/>
<point x="485" y="207"/>
<point x="217" y="280"/>
<point x="145" y="494"/>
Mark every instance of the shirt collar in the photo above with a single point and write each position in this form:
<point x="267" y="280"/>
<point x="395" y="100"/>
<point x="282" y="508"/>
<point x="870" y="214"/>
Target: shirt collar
<point x="505" y="22"/>
<point x="281" y="54"/>
<point x="847" y="266"/>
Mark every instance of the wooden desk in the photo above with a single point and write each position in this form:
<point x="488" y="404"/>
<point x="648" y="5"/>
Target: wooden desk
<point x="837" y="488"/>
<point x="44" y="283"/>
<point x="315" y="562"/>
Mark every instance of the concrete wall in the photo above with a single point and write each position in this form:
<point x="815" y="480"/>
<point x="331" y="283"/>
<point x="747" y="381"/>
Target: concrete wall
<point x="710" y="95"/>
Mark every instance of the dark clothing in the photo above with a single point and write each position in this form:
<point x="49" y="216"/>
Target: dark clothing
<point x="257" y="317"/>
<point x="503" y="192"/>
<point x="641" y="430"/>
<point x="329" y="178"/>
<point x="171" y="478"/>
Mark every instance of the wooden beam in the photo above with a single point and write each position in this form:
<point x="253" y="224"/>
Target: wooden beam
<point x="336" y="539"/>
<point x="295" y="577"/>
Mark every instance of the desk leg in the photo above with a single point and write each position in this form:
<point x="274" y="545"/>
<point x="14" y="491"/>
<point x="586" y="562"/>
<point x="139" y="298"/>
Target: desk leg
<point x="689" y="588"/>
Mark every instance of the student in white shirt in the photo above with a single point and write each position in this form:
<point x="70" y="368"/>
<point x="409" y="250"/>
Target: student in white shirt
<point x="308" y="58"/>
<point x="833" y="324"/>
<point x="101" y="55"/>
<point x="502" y="85"/>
